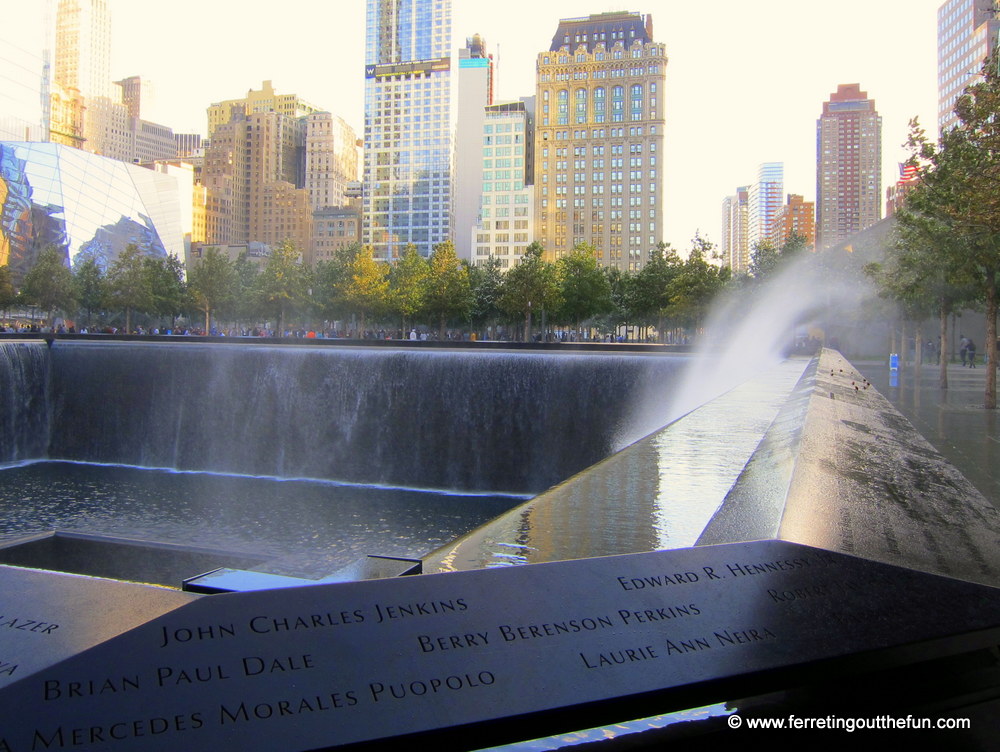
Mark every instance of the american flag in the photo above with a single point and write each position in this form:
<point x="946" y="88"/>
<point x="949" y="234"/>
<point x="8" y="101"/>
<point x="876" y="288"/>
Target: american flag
<point x="908" y="172"/>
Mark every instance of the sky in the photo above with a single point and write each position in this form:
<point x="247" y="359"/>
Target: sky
<point x="745" y="81"/>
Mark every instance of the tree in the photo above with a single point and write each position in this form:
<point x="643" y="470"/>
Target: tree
<point x="367" y="287"/>
<point x="169" y="295"/>
<point x="448" y="295"/>
<point x="91" y="285"/>
<point x="49" y="283"/>
<point x="530" y="286"/>
<point x="919" y="272"/>
<point x="128" y="284"/>
<point x="408" y="280"/>
<point x="212" y="282"/>
<point x="652" y="285"/>
<point x="766" y="259"/>
<point x="961" y="178"/>
<point x="486" y="283"/>
<point x="244" y="302"/>
<point x="696" y="284"/>
<point x="8" y="295"/>
<point x="331" y="280"/>
<point x="583" y="288"/>
<point x="624" y="297"/>
<point x="763" y="260"/>
<point x="283" y="284"/>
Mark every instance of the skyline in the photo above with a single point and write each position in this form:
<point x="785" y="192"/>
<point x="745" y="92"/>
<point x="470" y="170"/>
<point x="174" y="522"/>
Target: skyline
<point x="729" y="105"/>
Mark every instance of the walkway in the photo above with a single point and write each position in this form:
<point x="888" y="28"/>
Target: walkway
<point x="953" y="420"/>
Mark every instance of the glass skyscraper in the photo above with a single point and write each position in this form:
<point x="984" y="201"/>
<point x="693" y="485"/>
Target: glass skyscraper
<point x="408" y="125"/>
<point x="763" y="201"/>
<point x="967" y="35"/>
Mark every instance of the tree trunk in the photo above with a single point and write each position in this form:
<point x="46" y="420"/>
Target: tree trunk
<point x="902" y="344"/>
<point x="527" y="325"/>
<point x="208" y="320"/>
<point x="943" y="355"/>
<point x="990" y="400"/>
<point x="441" y="327"/>
<point x="918" y="344"/>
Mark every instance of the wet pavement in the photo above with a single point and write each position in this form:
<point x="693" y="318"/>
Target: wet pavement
<point x="953" y="420"/>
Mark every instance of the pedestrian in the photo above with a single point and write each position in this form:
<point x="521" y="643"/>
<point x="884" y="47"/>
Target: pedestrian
<point x="963" y="348"/>
<point x="971" y="353"/>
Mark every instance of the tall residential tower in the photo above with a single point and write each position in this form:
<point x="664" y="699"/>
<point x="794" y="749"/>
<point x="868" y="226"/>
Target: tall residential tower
<point x="87" y="109"/>
<point x="764" y="201"/>
<point x="967" y="35"/>
<point x="848" y="166"/>
<point x="734" y="246"/>
<point x="599" y="139"/>
<point x="475" y="94"/>
<point x="407" y="191"/>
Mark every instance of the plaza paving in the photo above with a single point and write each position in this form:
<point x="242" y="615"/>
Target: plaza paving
<point x="953" y="419"/>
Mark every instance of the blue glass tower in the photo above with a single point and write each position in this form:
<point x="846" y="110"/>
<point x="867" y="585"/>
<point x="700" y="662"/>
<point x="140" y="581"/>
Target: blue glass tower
<point x="408" y="125"/>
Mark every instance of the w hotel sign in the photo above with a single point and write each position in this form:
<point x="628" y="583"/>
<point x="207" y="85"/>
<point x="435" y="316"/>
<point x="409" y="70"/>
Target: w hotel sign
<point x="418" y="67"/>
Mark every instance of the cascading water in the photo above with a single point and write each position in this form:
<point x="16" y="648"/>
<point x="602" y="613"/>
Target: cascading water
<point x="24" y="407"/>
<point x="466" y="421"/>
<point x="751" y="331"/>
<point x="406" y="449"/>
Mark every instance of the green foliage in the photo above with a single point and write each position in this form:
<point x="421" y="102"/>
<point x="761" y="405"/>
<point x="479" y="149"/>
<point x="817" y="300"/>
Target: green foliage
<point x="91" y="285"/>
<point x="169" y="295"/>
<point x="486" y="283"/>
<point x="8" y="295"/>
<point x="959" y="191"/>
<point x="448" y="293"/>
<point x="332" y="279"/>
<point x="652" y="285"/>
<point x="763" y="259"/>
<point x="283" y="284"/>
<point x="766" y="260"/>
<point x="408" y="281"/>
<point x="212" y="282"/>
<point x="624" y="297"/>
<point x="367" y="287"/>
<point x="530" y="287"/>
<point x="128" y="284"/>
<point x="49" y="283"/>
<point x="583" y="288"/>
<point x="695" y="285"/>
<point x="243" y="306"/>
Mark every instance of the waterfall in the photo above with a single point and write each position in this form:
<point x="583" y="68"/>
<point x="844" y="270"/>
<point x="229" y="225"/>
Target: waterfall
<point x="467" y="421"/>
<point x="24" y="408"/>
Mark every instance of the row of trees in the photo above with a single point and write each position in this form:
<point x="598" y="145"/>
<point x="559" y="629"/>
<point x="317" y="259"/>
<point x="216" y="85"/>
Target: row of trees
<point x="947" y="252"/>
<point x="439" y="291"/>
<point x="442" y="290"/>
<point x="133" y="283"/>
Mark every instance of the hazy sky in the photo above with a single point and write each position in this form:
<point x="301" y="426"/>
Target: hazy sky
<point x="745" y="81"/>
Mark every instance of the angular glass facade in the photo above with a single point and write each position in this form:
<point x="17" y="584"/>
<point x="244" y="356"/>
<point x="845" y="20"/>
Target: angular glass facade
<point x="85" y="204"/>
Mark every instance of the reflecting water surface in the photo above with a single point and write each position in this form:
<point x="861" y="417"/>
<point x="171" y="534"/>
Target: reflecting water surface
<point x="952" y="420"/>
<point x="310" y="528"/>
<point x="659" y="493"/>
